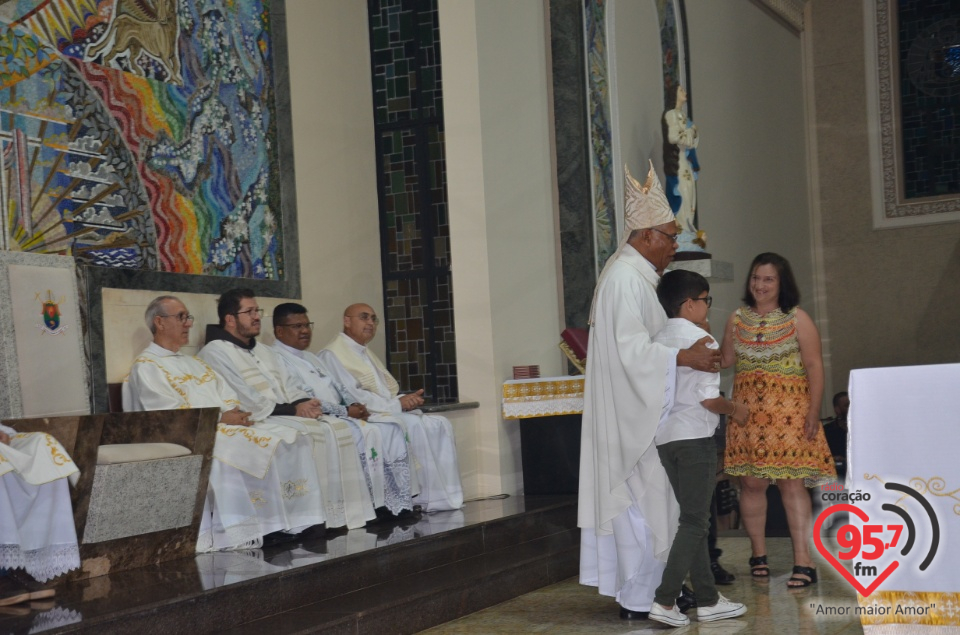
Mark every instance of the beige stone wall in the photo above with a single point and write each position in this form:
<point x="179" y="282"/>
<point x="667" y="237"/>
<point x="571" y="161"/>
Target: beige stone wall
<point x="636" y="93"/>
<point x="337" y="209"/>
<point x="892" y="293"/>
<point x="748" y="104"/>
<point x="500" y="184"/>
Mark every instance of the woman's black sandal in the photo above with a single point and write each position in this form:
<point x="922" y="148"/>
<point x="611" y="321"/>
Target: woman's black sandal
<point x="759" y="567"/>
<point x="810" y="572"/>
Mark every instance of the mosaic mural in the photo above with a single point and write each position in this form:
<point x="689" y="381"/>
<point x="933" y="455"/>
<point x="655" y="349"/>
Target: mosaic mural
<point x="601" y="141"/>
<point x="141" y="134"/>
<point x="414" y="226"/>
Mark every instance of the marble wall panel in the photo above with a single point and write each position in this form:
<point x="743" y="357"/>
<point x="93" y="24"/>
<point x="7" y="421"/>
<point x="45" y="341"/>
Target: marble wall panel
<point x="44" y="369"/>
<point x="129" y="499"/>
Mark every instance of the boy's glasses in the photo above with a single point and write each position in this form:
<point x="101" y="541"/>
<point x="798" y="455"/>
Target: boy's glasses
<point x="708" y="300"/>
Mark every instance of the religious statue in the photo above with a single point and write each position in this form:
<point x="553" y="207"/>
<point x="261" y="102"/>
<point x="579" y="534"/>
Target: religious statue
<point x="680" y="165"/>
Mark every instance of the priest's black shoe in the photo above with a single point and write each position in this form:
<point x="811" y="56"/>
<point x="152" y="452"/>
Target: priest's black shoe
<point x="278" y="538"/>
<point x="411" y="514"/>
<point x="721" y="575"/>
<point x="627" y="614"/>
<point x="687" y="599"/>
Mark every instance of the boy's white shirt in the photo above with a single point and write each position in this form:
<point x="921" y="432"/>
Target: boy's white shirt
<point x="687" y="418"/>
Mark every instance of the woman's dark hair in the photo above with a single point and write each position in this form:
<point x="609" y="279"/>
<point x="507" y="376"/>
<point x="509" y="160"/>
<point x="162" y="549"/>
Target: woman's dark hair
<point x="789" y="292"/>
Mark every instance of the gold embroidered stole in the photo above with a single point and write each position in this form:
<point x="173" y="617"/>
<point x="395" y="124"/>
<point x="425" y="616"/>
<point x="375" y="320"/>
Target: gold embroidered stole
<point x="359" y="368"/>
<point x="38" y="458"/>
<point x="246" y="448"/>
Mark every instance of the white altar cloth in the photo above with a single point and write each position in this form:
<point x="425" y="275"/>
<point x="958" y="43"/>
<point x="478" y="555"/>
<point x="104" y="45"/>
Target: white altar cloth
<point x="905" y="429"/>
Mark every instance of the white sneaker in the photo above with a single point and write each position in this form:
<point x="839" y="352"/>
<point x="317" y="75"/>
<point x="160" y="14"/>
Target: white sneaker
<point x="671" y="616"/>
<point x="722" y="610"/>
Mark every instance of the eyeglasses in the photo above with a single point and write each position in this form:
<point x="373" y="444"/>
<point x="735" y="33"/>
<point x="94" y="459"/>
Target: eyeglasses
<point x="708" y="300"/>
<point x="181" y="317"/>
<point x="366" y="317"/>
<point x="672" y="237"/>
<point x="259" y="312"/>
<point x="301" y="326"/>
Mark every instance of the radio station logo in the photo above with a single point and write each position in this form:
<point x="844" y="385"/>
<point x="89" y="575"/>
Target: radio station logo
<point x="865" y="549"/>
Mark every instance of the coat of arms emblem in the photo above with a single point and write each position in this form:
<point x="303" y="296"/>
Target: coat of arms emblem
<point x="50" y="314"/>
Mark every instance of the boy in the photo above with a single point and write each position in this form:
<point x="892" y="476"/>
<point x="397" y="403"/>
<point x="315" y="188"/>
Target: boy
<point x="689" y="455"/>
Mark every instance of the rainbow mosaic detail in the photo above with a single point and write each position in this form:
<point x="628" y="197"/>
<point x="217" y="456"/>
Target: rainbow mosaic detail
<point x="141" y="133"/>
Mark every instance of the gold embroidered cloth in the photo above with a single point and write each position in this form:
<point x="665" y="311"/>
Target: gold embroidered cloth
<point x="543" y="397"/>
<point x="37" y="457"/>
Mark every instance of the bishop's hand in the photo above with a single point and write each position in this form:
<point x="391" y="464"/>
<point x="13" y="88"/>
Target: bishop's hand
<point x="700" y="357"/>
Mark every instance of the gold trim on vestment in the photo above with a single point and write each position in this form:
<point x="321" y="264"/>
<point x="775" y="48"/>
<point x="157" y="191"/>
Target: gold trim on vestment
<point x="541" y="390"/>
<point x="933" y="608"/>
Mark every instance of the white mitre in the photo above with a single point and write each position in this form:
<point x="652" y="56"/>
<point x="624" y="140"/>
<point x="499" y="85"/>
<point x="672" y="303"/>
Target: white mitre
<point x="644" y="206"/>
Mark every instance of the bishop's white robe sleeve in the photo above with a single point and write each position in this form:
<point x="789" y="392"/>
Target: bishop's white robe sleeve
<point x="374" y="402"/>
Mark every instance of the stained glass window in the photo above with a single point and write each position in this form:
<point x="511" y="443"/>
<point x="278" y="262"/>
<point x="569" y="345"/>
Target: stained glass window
<point x="929" y="49"/>
<point x="411" y="175"/>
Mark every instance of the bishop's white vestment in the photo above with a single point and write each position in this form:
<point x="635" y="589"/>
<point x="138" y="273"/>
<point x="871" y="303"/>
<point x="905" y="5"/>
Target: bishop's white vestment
<point x="382" y="444"/>
<point x="37" y="533"/>
<point x="431" y="437"/>
<point x="627" y="510"/>
<point x="262" y="383"/>
<point x="263" y="478"/>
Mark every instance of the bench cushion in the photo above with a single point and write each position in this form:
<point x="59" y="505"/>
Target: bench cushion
<point x="132" y="452"/>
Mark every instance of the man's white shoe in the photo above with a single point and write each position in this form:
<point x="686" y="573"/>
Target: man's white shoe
<point x="722" y="610"/>
<point x="671" y="616"/>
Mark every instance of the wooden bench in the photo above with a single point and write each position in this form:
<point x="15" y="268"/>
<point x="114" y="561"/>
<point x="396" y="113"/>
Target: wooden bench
<point x="130" y="514"/>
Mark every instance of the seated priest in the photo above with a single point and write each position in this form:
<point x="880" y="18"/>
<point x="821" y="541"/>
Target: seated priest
<point x="256" y="461"/>
<point x="383" y="444"/>
<point x="38" y="540"/>
<point x="265" y="389"/>
<point x="350" y="363"/>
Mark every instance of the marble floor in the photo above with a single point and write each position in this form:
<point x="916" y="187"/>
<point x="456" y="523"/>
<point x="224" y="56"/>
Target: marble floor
<point x="567" y="608"/>
<point x="208" y="592"/>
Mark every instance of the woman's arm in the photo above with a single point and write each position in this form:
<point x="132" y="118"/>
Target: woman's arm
<point x="810" y="355"/>
<point x="727" y="354"/>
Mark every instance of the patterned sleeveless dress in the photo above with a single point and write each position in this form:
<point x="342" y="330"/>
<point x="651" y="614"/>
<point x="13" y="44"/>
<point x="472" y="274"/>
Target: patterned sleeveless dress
<point x="771" y="379"/>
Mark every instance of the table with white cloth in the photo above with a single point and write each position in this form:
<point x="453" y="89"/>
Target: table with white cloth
<point x="904" y="428"/>
<point x="549" y="410"/>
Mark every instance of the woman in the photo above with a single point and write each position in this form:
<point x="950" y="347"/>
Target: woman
<point x="779" y="375"/>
